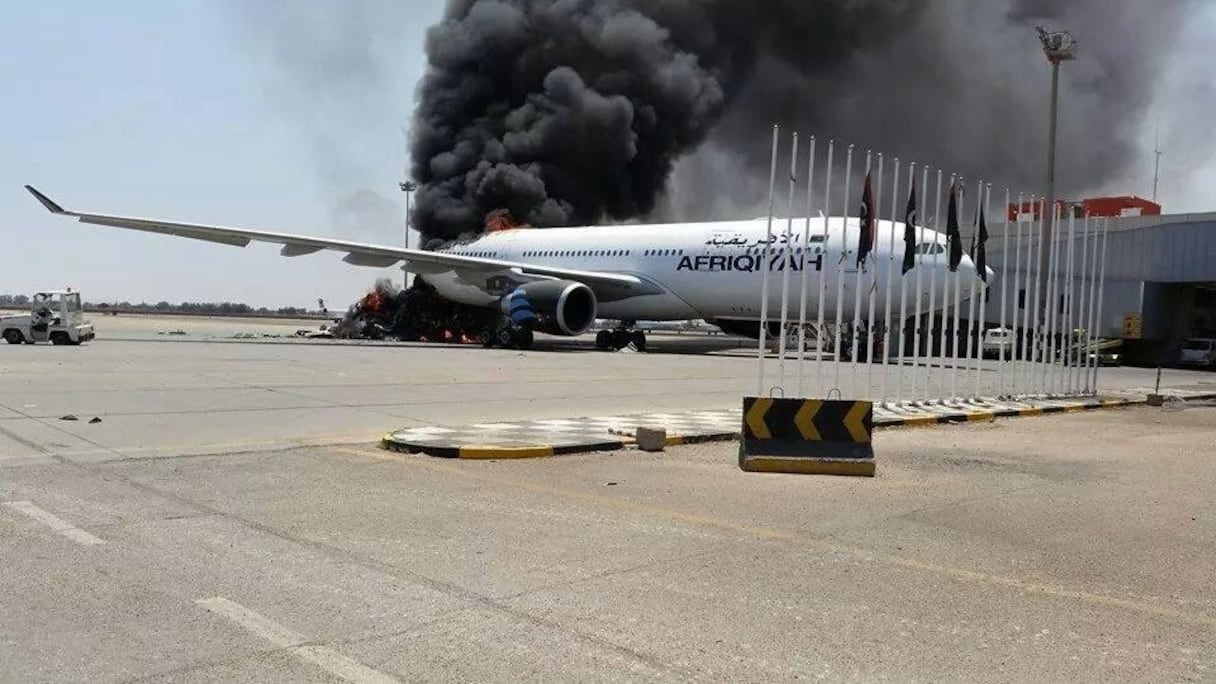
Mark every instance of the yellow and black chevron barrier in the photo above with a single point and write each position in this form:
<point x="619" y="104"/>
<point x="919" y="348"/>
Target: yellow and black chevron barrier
<point x="807" y="436"/>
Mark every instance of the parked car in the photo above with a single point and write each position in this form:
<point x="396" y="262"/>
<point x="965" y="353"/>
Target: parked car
<point x="1199" y="352"/>
<point x="998" y="341"/>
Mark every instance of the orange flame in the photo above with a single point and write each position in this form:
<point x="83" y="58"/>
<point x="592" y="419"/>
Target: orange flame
<point x="501" y="219"/>
<point x="371" y="302"/>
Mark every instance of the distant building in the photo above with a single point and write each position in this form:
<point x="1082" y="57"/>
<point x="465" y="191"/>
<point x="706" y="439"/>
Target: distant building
<point x="1160" y="273"/>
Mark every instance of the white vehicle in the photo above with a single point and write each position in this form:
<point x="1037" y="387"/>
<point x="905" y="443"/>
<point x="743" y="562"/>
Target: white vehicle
<point x="998" y="343"/>
<point x="1199" y="351"/>
<point x="55" y="317"/>
<point x="559" y="280"/>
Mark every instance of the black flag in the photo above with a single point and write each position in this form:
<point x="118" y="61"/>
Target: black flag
<point x="865" y="239"/>
<point x="910" y="231"/>
<point x="953" y="236"/>
<point x="979" y="252"/>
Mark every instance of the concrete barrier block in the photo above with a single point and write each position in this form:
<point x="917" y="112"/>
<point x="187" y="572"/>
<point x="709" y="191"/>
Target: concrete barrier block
<point x="651" y="439"/>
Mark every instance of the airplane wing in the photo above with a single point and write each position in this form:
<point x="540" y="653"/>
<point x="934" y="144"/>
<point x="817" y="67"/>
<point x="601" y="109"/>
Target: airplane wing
<point x="606" y="285"/>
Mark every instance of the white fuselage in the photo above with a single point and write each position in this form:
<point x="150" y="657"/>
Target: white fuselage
<point x="716" y="270"/>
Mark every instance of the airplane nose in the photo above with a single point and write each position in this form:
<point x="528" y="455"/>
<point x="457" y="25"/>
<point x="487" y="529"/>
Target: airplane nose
<point x="991" y="273"/>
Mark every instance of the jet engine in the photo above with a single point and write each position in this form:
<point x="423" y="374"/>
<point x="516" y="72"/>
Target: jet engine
<point x="556" y="307"/>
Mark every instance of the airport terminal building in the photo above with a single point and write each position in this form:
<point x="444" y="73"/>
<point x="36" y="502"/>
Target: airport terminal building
<point x="1160" y="284"/>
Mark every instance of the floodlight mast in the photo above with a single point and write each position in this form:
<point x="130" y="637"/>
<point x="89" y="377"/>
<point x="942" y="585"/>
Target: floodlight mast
<point x="1059" y="46"/>
<point x="408" y="187"/>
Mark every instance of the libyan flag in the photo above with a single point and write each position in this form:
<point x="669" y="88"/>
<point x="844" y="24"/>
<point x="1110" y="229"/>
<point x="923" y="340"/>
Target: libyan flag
<point x="910" y="231"/>
<point x="953" y="235"/>
<point x="979" y="251"/>
<point x="865" y="239"/>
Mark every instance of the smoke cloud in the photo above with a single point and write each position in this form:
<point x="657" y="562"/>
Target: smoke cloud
<point x="572" y="111"/>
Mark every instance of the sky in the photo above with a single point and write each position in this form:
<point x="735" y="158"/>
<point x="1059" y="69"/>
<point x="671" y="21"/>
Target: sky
<point x="183" y="109"/>
<point x="256" y="114"/>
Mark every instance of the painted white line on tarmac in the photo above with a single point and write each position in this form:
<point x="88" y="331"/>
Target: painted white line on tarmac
<point x="326" y="658"/>
<point x="54" y="522"/>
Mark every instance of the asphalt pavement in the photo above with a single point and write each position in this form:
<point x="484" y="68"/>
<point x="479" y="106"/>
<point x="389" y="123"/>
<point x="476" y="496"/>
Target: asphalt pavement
<point x="1059" y="548"/>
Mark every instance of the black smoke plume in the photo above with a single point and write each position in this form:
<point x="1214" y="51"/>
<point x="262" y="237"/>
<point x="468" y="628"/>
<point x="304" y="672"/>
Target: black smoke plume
<point x="574" y="111"/>
<point x="560" y="111"/>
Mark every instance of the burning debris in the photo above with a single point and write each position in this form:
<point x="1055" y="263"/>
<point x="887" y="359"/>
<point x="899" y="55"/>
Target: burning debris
<point x="417" y="314"/>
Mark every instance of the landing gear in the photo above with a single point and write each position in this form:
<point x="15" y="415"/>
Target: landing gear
<point x="509" y="336"/>
<point x="524" y="338"/>
<point x="614" y="340"/>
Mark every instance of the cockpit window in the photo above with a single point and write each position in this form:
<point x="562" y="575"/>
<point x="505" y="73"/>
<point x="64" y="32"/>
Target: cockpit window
<point x="930" y="248"/>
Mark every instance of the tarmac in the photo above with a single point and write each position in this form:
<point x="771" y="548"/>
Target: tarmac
<point x="232" y="518"/>
<point x="200" y="393"/>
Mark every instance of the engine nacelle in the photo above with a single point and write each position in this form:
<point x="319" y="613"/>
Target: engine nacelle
<point x="556" y="307"/>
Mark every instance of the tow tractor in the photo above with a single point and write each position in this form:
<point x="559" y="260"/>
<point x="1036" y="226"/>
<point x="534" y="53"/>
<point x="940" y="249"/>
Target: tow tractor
<point x="55" y="316"/>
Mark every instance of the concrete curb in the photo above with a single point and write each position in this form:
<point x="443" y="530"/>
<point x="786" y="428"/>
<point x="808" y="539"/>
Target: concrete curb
<point x="987" y="416"/>
<point x="493" y="452"/>
<point x="545" y="450"/>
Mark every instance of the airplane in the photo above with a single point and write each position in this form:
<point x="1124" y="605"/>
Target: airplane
<point x="560" y="280"/>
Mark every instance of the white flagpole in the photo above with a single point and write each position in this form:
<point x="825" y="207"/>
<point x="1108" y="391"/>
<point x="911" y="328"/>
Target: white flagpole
<point x="921" y="265"/>
<point x="1101" y="288"/>
<point x="903" y="290"/>
<point x="958" y="300"/>
<point x="1062" y="347"/>
<point x="1082" y="320"/>
<point x="859" y="284"/>
<point x="1060" y="303"/>
<point x="803" y="252"/>
<point x="840" y="265"/>
<point x="886" y="309"/>
<point x="1057" y="305"/>
<point x="940" y="373"/>
<point x="1041" y="291"/>
<point x="1066" y="346"/>
<point x="1032" y="302"/>
<point x="820" y="332"/>
<point x="787" y="258"/>
<point x="969" y="343"/>
<point x="1052" y="305"/>
<point x="1034" y="243"/>
<point x="978" y="287"/>
<point x="873" y="286"/>
<point x="772" y="182"/>
<point x="1092" y="315"/>
<point x="982" y="304"/>
<point x="1000" y="377"/>
<point x="1019" y="371"/>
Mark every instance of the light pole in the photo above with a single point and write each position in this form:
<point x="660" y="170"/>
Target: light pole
<point x="1059" y="46"/>
<point x="408" y="187"/>
<point x="1156" y="161"/>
